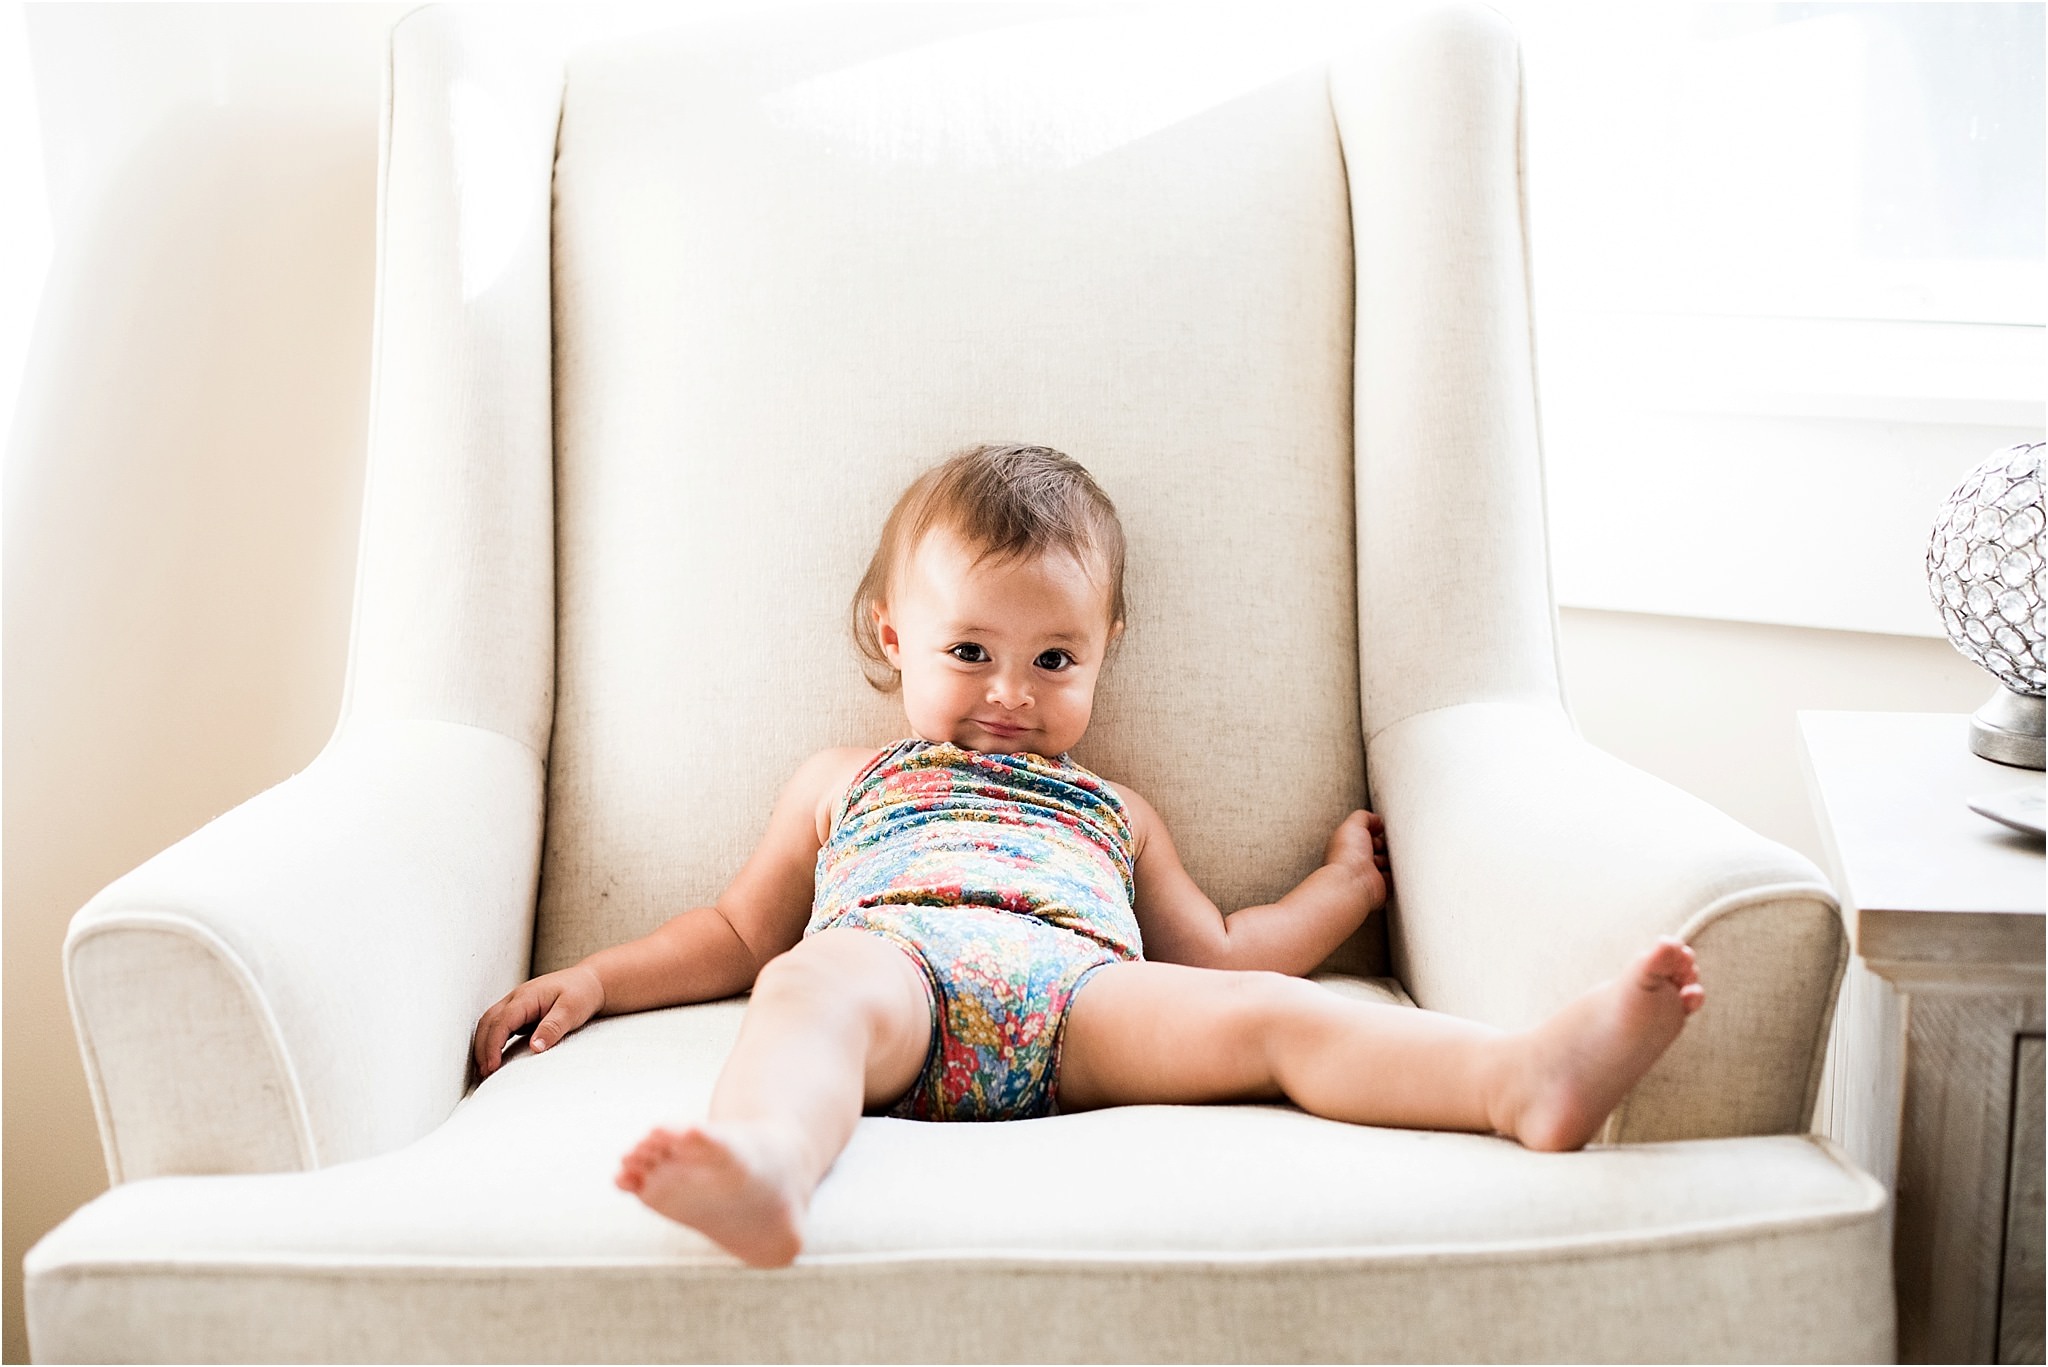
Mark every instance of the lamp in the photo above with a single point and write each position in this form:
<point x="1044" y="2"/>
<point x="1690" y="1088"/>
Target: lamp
<point x="1984" y="571"/>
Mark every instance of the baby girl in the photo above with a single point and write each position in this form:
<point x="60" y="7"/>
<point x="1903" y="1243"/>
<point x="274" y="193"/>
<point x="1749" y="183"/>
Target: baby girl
<point x="967" y="925"/>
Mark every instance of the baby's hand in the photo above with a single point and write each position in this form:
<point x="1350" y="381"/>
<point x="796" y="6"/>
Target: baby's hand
<point x="1359" y="846"/>
<point x="560" y="1001"/>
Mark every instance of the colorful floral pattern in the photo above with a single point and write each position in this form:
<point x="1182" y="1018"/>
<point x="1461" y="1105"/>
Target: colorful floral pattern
<point x="1008" y="879"/>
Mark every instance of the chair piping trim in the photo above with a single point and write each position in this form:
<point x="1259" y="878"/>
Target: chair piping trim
<point x="183" y="924"/>
<point x="1870" y="1201"/>
<point x="1749" y="899"/>
<point x="1546" y="708"/>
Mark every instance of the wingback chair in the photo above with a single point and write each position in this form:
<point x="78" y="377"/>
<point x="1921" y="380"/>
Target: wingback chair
<point x="664" y="322"/>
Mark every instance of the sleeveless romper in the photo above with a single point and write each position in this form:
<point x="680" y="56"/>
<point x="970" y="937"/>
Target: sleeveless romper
<point x="1008" y="880"/>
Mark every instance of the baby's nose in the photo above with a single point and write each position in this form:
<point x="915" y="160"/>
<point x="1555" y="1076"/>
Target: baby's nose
<point x="1005" y="691"/>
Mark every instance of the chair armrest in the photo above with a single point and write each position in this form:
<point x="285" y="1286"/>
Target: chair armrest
<point x="294" y="984"/>
<point x="1529" y="865"/>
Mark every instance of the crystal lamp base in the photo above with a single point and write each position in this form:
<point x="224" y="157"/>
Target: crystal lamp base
<point x="2009" y="729"/>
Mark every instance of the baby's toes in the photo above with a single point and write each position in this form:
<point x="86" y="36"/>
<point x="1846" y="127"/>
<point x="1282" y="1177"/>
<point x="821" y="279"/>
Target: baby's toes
<point x="650" y="1151"/>
<point x="666" y="1144"/>
<point x="1693" y="996"/>
<point x="1663" y="962"/>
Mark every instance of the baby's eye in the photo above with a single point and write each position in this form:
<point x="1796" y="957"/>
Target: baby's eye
<point x="968" y="653"/>
<point x="1055" y="660"/>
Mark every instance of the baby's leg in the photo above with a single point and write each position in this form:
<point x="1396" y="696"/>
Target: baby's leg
<point x="837" y="1024"/>
<point x="1146" y="1032"/>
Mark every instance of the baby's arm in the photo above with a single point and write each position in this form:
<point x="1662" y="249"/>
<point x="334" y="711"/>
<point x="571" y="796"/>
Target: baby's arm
<point x="706" y="952"/>
<point x="1181" y="925"/>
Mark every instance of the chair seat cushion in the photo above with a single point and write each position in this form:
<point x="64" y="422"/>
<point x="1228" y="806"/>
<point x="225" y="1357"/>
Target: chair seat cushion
<point x="1140" y="1233"/>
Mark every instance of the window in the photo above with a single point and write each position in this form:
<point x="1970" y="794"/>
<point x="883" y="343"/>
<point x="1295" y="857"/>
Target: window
<point x="1788" y="271"/>
<point x="1872" y="161"/>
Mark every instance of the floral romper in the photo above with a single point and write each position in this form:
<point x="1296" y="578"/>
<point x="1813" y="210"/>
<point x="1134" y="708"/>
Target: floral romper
<point x="1008" y="880"/>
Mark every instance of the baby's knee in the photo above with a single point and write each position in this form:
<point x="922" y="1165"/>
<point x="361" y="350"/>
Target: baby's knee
<point x="1262" y="1000"/>
<point x="817" y="981"/>
<point x="1277" y="1007"/>
<point x="796" y="979"/>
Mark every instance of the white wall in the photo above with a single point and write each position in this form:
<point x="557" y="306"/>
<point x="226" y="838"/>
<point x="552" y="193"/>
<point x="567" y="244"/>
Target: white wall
<point x="181" y="483"/>
<point x="181" y="490"/>
<point x="1709" y="705"/>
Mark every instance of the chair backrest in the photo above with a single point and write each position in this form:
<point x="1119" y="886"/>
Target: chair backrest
<point x="792" y="269"/>
<point x="774" y="268"/>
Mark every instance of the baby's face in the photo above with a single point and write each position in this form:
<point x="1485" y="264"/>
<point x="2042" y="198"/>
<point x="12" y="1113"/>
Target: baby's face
<point x="1001" y="658"/>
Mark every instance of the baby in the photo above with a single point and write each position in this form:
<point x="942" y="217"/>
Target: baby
<point x="967" y="925"/>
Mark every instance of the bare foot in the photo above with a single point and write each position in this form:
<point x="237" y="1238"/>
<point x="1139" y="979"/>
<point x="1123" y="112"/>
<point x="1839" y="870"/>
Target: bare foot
<point x="721" y="1185"/>
<point x="1583" y="1060"/>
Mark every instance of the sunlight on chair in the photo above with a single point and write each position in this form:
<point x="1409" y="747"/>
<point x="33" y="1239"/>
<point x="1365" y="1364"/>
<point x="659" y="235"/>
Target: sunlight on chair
<point x="494" y="193"/>
<point x="980" y="100"/>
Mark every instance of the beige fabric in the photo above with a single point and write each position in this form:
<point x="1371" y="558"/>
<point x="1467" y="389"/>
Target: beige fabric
<point x="455" y="585"/>
<point x="403" y="861"/>
<point x="1586" y="861"/>
<point x="1143" y="1233"/>
<point x="293" y="984"/>
<point x="1754" y="1066"/>
<point x="1453" y="571"/>
<point x="140" y="977"/>
<point x="786" y="280"/>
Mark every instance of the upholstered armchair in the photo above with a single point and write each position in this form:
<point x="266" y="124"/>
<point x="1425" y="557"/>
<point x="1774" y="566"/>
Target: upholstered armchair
<point x="664" y="321"/>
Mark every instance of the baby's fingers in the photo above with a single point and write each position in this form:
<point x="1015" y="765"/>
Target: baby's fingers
<point x="578" y="995"/>
<point x="479" y="1050"/>
<point x="513" y="1013"/>
<point x="482" y="1048"/>
<point x="559" y="1021"/>
<point x="1352" y="833"/>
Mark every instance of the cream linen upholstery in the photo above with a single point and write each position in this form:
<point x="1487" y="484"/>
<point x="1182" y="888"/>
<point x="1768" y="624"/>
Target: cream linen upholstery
<point x="663" y="323"/>
<point x="1467" y="741"/>
<point x="818" y="308"/>
<point x="320" y="936"/>
<point x="1587" y="857"/>
<point x="1098" y="1237"/>
<point x="260" y="997"/>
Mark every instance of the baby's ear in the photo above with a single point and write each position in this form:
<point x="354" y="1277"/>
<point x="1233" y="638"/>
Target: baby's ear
<point x="886" y="635"/>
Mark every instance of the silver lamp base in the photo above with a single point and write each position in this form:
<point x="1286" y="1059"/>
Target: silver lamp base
<point x="2009" y="729"/>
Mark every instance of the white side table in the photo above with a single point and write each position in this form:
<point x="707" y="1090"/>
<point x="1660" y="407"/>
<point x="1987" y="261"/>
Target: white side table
<point x="1934" y="1073"/>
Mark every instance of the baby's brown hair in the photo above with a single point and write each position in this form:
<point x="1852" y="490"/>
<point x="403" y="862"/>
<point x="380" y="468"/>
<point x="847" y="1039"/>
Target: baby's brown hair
<point x="1008" y="502"/>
